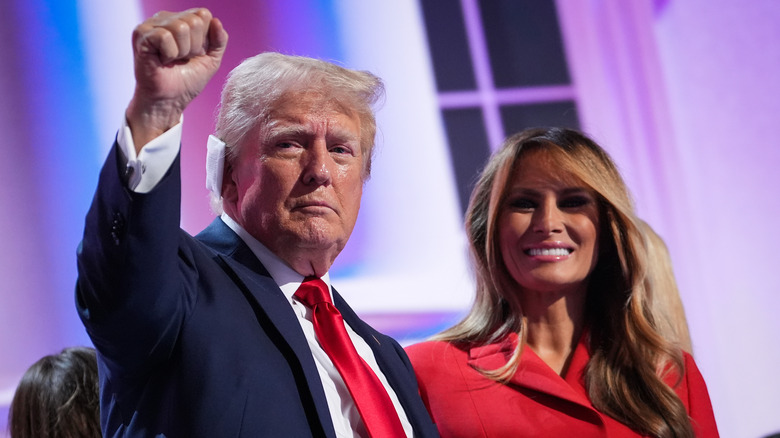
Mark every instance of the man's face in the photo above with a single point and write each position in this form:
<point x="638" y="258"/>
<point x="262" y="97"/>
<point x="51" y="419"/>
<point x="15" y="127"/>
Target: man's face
<point x="297" y="182"/>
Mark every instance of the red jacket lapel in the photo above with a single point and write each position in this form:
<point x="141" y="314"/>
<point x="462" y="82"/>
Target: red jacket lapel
<point x="532" y="372"/>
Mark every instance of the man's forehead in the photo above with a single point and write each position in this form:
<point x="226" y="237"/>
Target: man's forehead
<point x="310" y="121"/>
<point x="312" y="101"/>
<point x="307" y="109"/>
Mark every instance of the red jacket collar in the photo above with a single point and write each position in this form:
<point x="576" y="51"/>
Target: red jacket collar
<point x="533" y="373"/>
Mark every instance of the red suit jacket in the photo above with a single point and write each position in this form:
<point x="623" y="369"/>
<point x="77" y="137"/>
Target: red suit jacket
<point x="537" y="402"/>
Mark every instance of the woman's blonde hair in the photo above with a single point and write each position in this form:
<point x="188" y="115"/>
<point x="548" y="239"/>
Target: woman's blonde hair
<point x="624" y="377"/>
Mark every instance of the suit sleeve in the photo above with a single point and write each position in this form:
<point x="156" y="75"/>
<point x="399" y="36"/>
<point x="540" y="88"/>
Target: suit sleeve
<point x="133" y="275"/>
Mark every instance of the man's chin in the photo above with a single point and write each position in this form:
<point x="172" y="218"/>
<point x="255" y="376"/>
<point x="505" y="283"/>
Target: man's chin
<point x="319" y="236"/>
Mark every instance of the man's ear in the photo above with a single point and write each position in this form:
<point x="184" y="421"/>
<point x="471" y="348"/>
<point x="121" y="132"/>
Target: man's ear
<point x="229" y="191"/>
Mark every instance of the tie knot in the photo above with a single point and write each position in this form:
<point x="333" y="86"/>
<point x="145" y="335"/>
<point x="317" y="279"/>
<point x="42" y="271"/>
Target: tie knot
<point x="313" y="291"/>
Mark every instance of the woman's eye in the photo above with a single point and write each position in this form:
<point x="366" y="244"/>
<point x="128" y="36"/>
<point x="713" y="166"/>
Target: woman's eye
<point x="523" y="204"/>
<point x="574" y="202"/>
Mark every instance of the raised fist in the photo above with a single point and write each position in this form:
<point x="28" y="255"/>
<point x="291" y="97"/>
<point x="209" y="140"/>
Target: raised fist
<point x="175" y="56"/>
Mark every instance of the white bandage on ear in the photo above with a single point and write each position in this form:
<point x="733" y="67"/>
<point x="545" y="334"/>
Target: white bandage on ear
<point x="215" y="165"/>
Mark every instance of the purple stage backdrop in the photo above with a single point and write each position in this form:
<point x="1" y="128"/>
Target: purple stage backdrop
<point x="684" y="94"/>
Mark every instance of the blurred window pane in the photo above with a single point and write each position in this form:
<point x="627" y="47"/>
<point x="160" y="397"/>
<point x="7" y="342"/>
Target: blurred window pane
<point x="468" y="146"/>
<point x="515" y="118"/>
<point x="448" y="45"/>
<point x="524" y="43"/>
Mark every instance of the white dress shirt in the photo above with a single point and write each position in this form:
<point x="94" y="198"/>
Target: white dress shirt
<point x="146" y="170"/>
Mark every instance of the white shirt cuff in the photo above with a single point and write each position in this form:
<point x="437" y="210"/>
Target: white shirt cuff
<point x="148" y="168"/>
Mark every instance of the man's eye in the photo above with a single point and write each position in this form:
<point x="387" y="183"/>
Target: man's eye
<point x="284" y="145"/>
<point x="341" y="149"/>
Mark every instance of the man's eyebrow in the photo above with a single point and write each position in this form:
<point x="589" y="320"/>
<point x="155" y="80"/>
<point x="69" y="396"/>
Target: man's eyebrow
<point x="274" y="130"/>
<point x="283" y="125"/>
<point x="342" y="134"/>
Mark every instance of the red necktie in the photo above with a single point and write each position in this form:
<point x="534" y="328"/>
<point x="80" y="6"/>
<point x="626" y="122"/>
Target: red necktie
<point x="370" y="396"/>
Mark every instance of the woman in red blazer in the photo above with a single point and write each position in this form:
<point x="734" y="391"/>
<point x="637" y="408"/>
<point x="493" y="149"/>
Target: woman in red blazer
<point x="561" y="340"/>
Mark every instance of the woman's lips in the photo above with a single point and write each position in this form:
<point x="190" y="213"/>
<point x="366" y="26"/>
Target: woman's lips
<point x="549" y="251"/>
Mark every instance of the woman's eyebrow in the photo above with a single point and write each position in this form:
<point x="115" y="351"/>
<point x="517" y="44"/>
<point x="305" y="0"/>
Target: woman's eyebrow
<point x="523" y="190"/>
<point x="568" y="190"/>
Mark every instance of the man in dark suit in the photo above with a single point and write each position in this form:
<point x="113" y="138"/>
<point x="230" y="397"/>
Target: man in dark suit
<point x="208" y="336"/>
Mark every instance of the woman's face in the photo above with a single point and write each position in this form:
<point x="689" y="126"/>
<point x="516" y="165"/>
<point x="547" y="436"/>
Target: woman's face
<point x="548" y="228"/>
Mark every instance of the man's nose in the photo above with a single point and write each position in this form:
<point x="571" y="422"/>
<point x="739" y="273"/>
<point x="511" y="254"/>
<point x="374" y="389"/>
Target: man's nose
<point x="316" y="165"/>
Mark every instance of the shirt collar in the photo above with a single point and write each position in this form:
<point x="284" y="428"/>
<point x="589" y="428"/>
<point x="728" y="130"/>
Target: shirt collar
<point x="285" y="277"/>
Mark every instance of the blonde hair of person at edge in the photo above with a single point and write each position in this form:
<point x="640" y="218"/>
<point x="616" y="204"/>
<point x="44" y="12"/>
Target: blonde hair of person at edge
<point x="562" y="339"/>
<point x="667" y="307"/>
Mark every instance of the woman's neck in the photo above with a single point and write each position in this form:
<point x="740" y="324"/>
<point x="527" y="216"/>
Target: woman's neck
<point x="555" y="322"/>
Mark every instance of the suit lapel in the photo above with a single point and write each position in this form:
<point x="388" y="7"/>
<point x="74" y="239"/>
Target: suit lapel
<point x="357" y="324"/>
<point x="396" y="368"/>
<point x="532" y="373"/>
<point x="269" y="303"/>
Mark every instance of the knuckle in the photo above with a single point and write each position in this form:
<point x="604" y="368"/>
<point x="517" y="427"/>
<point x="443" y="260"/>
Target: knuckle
<point x="139" y="32"/>
<point x="179" y="28"/>
<point x="203" y="13"/>
<point x="159" y="16"/>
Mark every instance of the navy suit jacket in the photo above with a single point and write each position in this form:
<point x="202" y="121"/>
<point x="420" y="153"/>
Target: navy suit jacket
<point x="194" y="337"/>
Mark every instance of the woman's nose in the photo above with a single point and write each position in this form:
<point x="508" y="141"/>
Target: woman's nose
<point x="548" y="219"/>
